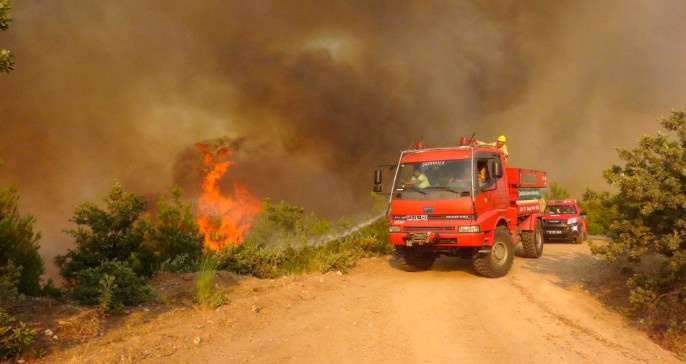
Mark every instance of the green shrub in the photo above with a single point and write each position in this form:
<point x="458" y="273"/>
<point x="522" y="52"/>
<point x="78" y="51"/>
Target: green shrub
<point x="266" y="261"/>
<point x="651" y="220"/>
<point x="281" y="225"/>
<point x="19" y="243"/>
<point x="600" y="211"/>
<point x="49" y="289"/>
<point x="9" y="277"/>
<point x="103" y="235"/>
<point x="14" y="338"/>
<point x="251" y="259"/>
<point x="112" y="285"/>
<point x="174" y="243"/>
<point x="121" y="232"/>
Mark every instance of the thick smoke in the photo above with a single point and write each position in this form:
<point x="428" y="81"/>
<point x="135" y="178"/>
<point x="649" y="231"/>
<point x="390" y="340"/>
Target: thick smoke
<point x="319" y="92"/>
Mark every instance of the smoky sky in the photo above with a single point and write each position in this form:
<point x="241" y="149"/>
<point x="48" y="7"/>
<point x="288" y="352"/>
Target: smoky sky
<point x="320" y="92"/>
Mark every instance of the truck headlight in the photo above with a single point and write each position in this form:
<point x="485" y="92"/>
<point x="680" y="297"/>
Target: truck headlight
<point x="394" y="229"/>
<point x="469" y="229"/>
<point x="572" y="221"/>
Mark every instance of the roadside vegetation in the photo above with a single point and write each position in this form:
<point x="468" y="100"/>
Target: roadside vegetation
<point x="645" y="221"/>
<point x="120" y="244"/>
<point x="6" y="56"/>
<point x="648" y="221"/>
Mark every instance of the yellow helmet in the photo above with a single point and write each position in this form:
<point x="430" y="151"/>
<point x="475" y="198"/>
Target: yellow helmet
<point x="502" y="139"/>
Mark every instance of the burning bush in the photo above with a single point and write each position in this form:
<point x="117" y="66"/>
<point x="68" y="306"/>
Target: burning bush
<point x="224" y="219"/>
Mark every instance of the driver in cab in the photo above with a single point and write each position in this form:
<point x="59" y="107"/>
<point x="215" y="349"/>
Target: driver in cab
<point x="418" y="179"/>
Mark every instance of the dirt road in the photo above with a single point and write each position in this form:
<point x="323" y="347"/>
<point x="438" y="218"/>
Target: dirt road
<point x="539" y="313"/>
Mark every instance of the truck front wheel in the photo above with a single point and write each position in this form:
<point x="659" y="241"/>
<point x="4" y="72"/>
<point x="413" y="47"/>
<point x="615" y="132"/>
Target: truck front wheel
<point x="412" y="260"/>
<point x="498" y="261"/>
<point x="532" y="241"/>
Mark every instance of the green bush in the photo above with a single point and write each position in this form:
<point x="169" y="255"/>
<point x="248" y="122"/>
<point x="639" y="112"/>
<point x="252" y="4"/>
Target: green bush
<point x="121" y="232"/>
<point x="19" y="243"/>
<point x="9" y="277"/>
<point x="174" y="242"/>
<point x="49" y="289"/>
<point x="103" y="235"/>
<point x="651" y="219"/>
<point x="600" y="211"/>
<point x="281" y="225"/>
<point x="251" y="259"/>
<point x="112" y="285"/>
<point x="14" y="338"/>
<point x="266" y="261"/>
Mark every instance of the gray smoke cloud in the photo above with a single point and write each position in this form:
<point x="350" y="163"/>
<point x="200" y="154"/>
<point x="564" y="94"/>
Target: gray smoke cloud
<point x="319" y="92"/>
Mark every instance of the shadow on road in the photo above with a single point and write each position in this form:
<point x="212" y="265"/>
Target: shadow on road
<point x="567" y="265"/>
<point x="445" y="264"/>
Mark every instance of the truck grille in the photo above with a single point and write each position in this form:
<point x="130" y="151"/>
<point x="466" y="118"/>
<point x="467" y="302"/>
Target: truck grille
<point x="432" y="228"/>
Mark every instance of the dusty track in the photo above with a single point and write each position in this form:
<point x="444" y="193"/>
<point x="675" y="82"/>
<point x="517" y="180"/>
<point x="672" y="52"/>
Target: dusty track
<point x="539" y="313"/>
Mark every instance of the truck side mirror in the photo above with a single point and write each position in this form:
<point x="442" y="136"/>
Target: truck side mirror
<point x="377" y="181"/>
<point x="582" y="213"/>
<point x="497" y="170"/>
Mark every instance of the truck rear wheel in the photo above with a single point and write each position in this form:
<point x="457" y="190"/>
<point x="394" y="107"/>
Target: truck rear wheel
<point x="498" y="261"/>
<point x="412" y="260"/>
<point x="532" y="241"/>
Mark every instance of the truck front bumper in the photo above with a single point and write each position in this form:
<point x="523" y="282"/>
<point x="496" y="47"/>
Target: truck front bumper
<point x="561" y="231"/>
<point x="442" y="239"/>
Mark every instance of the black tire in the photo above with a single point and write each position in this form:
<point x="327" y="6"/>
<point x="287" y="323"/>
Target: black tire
<point x="579" y="238"/>
<point x="412" y="260"/>
<point x="498" y="261"/>
<point x="532" y="241"/>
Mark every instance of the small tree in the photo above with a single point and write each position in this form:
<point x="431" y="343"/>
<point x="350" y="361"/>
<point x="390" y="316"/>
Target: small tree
<point x="556" y="192"/>
<point x="600" y="211"/>
<point x="18" y="242"/>
<point x="103" y="235"/>
<point x="651" y="208"/>
<point x="284" y="224"/>
<point x="174" y="241"/>
<point x="6" y="57"/>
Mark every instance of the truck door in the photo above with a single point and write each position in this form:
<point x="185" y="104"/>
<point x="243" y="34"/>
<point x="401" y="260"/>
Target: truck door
<point x="485" y="185"/>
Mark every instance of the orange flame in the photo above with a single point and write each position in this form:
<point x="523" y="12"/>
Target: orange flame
<point x="223" y="219"/>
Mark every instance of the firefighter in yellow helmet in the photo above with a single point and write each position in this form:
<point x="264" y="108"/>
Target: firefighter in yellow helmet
<point x="500" y="144"/>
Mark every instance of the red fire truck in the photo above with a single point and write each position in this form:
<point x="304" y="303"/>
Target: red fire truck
<point x="471" y="206"/>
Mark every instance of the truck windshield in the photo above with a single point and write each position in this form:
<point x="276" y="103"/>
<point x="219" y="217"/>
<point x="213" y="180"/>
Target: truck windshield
<point x="453" y="175"/>
<point x="560" y="209"/>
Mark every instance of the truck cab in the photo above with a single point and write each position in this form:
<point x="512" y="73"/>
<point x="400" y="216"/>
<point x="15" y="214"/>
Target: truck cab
<point x="564" y="220"/>
<point x="468" y="205"/>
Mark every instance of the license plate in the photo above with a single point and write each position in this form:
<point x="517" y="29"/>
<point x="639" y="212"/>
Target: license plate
<point x="554" y="232"/>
